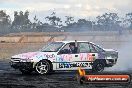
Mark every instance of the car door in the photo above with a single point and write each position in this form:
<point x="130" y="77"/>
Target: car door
<point x="67" y="60"/>
<point x="100" y="51"/>
<point x="87" y="54"/>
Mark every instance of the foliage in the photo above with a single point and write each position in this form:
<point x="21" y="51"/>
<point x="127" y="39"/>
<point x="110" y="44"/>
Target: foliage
<point x="5" y="22"/>
<point x="129" y="19"/>
<point x="22" y="23"/>
<point x="108" y="21"/>
<point x="54" y="20"/>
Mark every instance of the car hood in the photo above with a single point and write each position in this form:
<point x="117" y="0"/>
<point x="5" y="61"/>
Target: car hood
<point x="110" y="50"/>
<point x="38" y="55"/>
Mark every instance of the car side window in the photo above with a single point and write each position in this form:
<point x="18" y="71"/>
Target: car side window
<point x="84" y="47"/>
<point x="98" y="49"/>
<point x="92" y="49"/>
<point x="69" y="48"/>
<point x="65" y="49"/>
<point x="66" y="46"/>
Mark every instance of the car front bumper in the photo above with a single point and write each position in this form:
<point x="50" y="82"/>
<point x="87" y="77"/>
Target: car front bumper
<point x="111" y="62"/>
<point x="21" y="65"/>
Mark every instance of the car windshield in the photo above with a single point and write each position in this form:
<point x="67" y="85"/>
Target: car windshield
<point x="52" y="47"/>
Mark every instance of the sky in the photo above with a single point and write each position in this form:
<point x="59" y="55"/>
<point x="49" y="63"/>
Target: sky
<point x="87" y="9"/>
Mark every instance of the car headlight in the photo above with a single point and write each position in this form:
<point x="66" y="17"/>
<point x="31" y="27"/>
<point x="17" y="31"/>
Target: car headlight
<point x="25" y="60"/>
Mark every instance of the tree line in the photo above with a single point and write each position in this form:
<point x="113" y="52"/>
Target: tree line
<point x="53" y="23"/>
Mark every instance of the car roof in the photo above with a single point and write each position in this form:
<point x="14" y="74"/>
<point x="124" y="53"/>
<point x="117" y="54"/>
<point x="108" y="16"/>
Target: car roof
<point x="78" y="41"/>
<point x="72" y="41"/>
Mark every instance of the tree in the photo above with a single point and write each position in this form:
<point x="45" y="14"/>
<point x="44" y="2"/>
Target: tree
<point x="5" y="22"/>
<point x="36" y="22"/>
<point x="37" y="25"/>
<point x="21" y="21"/>
<point x="69" y="20"/>
<point x="87" y="24"/>
<point x="108" y="21"/>
<point x="129" y="19"/>
<point x="80" y="25"/>
<point x="54" y="20"/>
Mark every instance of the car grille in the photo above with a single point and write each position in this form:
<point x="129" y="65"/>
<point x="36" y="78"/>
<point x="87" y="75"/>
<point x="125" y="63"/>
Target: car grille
<point x="111" y="60"/>
<point x="15" y="59"/>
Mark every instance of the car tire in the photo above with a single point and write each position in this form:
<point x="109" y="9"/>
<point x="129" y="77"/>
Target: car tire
<point x="25" y="71"/>
<point x="43" y="67"/>
<point x="98" y="66"/>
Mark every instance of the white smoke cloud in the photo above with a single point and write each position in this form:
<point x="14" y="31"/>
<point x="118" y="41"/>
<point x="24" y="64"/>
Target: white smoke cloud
<point x="124" y="62"/>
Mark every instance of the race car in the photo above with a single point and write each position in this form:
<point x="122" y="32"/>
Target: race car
<point x="65" y="55"/>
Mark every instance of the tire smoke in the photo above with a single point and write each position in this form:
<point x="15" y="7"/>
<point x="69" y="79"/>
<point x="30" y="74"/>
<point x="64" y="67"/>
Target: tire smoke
<point x="124" y="62"/>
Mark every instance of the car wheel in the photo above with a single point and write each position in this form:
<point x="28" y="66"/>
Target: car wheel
<point x="43" y="67"/>
<point x="98" y="67"/>
<point x="25" y="71"/>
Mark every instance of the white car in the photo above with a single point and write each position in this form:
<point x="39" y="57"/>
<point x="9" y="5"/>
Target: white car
<point x="58" y="56"/>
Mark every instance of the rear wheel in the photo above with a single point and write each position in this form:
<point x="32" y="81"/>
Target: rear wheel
<point x="98" y="66"/>
<point x="43" y="67"/>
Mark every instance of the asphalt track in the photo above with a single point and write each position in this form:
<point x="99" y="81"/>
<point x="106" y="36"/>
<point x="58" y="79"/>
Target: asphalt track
<point x="10" y="78"/>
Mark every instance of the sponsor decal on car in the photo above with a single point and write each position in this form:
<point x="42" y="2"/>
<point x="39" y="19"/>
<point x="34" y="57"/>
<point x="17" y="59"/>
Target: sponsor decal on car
<point x="74" y="64"/>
